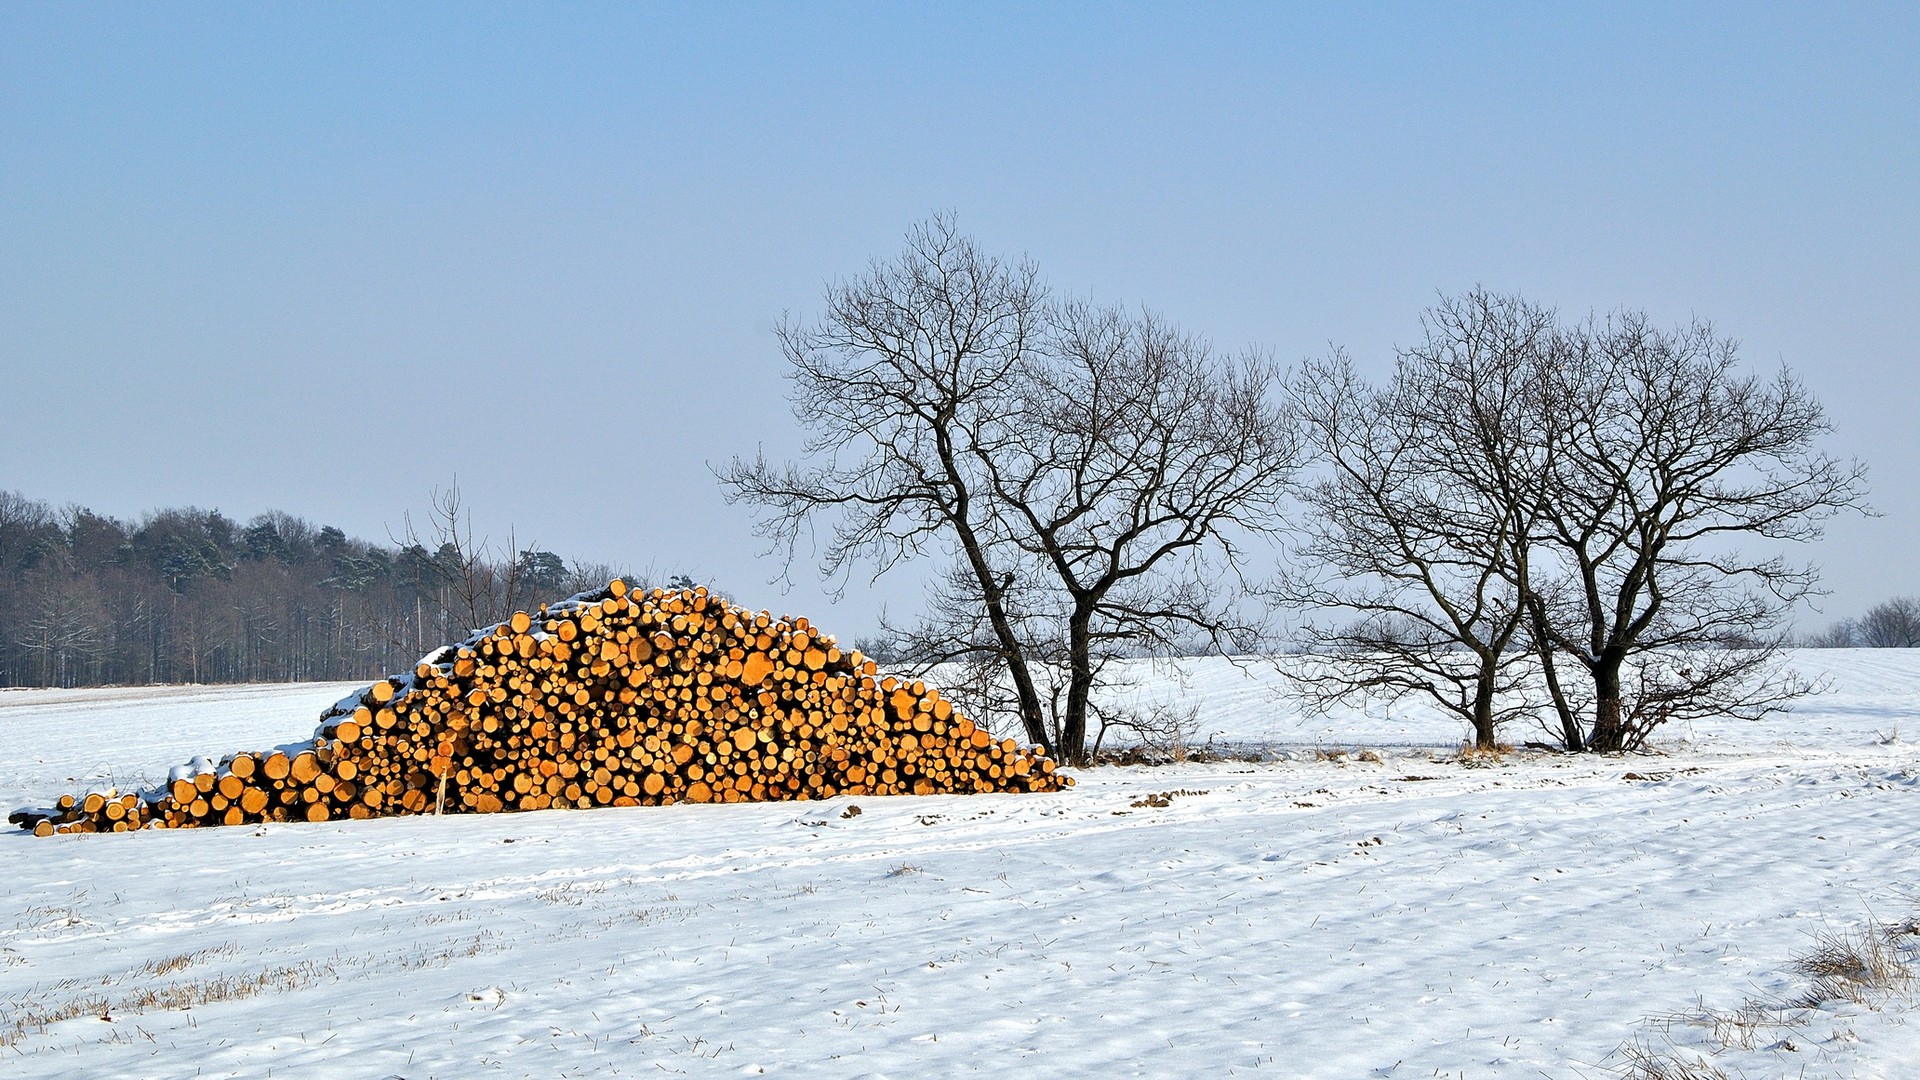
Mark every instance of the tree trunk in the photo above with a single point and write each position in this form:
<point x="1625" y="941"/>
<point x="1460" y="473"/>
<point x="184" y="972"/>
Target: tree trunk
<point x="1483" y="702"/>
<point x="1031" y="716"/>
<point x="1073" y="736"/>
<point x="1570" y="735"/>
<point x="1607" y="736"/>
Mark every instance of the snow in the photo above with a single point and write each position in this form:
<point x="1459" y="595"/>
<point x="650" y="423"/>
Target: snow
<point x="1307" y="915"/>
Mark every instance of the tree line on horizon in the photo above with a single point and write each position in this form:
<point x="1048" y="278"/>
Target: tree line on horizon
<point x="185" y="595"/>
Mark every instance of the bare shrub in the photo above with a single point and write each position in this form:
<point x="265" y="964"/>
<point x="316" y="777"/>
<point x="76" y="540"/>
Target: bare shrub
<point x="1163" y="730"/>
<point x="1746" y="1027"/>
<point x="1642" y="1061"/>
<point x="1861" y="966"/>
<point x="31" y="1015"/>
<point x="1475" y="756"/>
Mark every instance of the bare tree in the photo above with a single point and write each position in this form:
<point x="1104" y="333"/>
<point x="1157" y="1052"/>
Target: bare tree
<point x="1894" y="624"/>
<point x="1843" y="634"/>
<point x="61" y="624"/>
<point x="1416" y="527"/>
<point x="1662" y="458"/>
<point x="478" y="585"/>
<point x="1087" y="473"/>
<point x="897" y="385"/>
<point x="1576" y="493"/>
<point x="1138" y="461"/>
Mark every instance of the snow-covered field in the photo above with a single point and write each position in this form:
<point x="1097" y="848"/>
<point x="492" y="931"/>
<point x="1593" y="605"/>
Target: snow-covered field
<point x="1307" y="916"/>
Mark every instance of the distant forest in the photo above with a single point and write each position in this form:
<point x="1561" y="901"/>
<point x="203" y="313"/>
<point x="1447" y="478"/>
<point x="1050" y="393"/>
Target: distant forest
<point x="189" y="595"/>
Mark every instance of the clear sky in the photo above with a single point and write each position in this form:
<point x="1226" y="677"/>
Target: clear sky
<point x="324" y="258"/>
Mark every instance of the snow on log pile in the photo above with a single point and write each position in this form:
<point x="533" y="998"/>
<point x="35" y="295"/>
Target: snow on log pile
<point x="610" y="698"/>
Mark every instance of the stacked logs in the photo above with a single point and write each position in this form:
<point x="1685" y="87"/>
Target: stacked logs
<point x="611" y="698"/>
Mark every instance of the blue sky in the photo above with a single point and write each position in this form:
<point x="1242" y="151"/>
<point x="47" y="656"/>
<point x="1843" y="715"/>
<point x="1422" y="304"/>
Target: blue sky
<point x="325" y="258"/>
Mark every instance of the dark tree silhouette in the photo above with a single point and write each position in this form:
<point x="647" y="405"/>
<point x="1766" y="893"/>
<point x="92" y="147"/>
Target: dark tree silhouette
<point x="1582" y="493"/>
<point x="1417" y="527"/>
<point x="1086" y="472"/>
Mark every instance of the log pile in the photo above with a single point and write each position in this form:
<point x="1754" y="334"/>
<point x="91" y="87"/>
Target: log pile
<point x="611" y="698"/>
